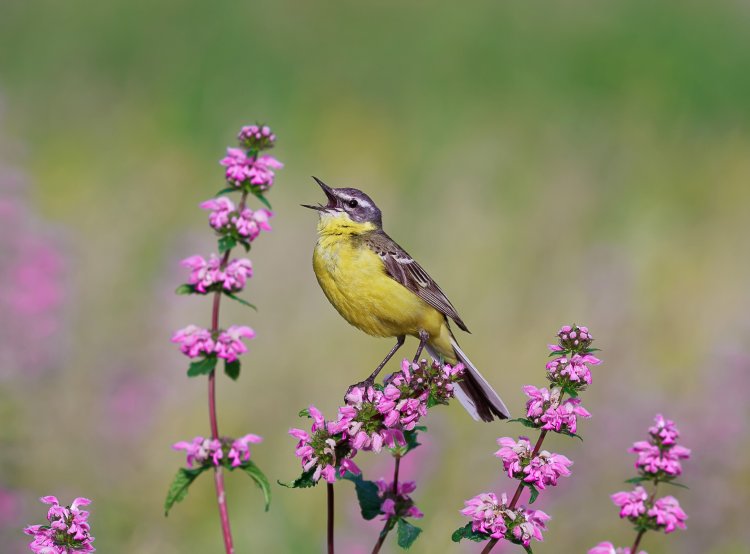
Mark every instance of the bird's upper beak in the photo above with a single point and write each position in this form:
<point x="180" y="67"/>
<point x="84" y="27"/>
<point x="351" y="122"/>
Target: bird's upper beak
<point x="332" y="200"/>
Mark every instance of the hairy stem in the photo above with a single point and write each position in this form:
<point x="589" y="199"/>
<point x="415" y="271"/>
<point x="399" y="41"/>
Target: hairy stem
<point x="329" y="488"/>
<point x="386" y="528"/>
<point x="221" y="496"/>
<point x="517" y="496"/>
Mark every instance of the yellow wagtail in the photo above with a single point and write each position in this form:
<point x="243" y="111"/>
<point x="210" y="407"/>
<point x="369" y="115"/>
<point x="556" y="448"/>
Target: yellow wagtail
<point x="377" y="287"/>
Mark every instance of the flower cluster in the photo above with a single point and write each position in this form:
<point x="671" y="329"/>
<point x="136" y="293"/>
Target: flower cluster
<point x="205" y="451"/>
<point x="535" y="468"/>
<point x="658" y="461"/>
<point x="68" y="530"/>
<point x="250" y="171"/>
<point x="496" y="519"/>
<point x="322" y="451"/>
<point x="256" y="137"/>
<point x="196" y="341"/>
<point x="660" y="456"/>
<point x="609" y="548"/>
<point x="545" y="410"/>
<point x="208" y="276"/>
<point x="541" y="470"/>
<point x="227" y="219"/>
<point x="375" y="416"/>
<point x="397" y="503"/>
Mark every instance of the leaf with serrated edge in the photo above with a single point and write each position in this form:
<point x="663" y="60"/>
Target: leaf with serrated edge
<point x="367" y="495"/>
<point x="179" y="488"/>
<point x="304" y="481"/>
<point x="407" y="533"/>
<point x="466" y="532"/>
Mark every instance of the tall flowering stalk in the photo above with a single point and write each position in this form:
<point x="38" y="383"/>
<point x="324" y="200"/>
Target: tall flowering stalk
<point x="248" y="172"/>
<point x="67" y="530"/>
<point x="659" y="461"/>
<point x="494" y="519"/>
<point x="382" y="417"/>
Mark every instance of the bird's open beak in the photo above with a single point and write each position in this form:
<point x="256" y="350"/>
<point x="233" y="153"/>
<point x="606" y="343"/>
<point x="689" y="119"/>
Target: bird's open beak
<point x="332" y="200"/>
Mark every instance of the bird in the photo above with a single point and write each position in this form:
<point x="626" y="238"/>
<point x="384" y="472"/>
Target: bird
<point x="379" y="288"/>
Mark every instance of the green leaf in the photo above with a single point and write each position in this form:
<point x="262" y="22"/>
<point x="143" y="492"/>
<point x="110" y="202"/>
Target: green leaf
<point x="407" y="533"/>
<point x="225" y="191"/>
<point x="232" y="369"/>
<point x="466" y="532"/>
<point x="533" y="491"/>
<point x="569" y="434"/>
<point x="179" y="488"/>
<point x="240" y="300"/>
<point x="204" y="366"/>
<point x="304" y="481"/>
<point x="637" y="480"/>
<point x="226" y="243"/>
<point x="411" y="442"/>
<point x="260" y="479"/>
<point x="263" y="200"/>
<point x="675" y="484"/>
<point x="304" y="413"/>
<point x="572" y="392"/>
<point x="525" y="422"/>
<point x="367" y="494"/>
<point x="185" y="289"/>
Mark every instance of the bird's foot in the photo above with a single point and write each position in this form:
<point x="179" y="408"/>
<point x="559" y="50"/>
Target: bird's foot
<point x="367" y="383"/>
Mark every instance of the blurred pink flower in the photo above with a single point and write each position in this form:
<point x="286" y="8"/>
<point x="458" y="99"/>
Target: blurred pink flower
<point x="400" y="503"/>
<point x="609" y="548"/>
<point x="249" y="223"/>
<point x="194" y="341"/>
<point x="229" y="344"/>
<point x="207" y="275"/>
<point x="240" y="449"/>
<point x="668" y="514"/>
<point x="221" y="207"/>
<point x="632" y="504"/>
<point x="68" y="530"/>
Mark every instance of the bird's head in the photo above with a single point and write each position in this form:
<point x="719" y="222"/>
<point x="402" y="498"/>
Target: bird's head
<point x="348" y="210"/>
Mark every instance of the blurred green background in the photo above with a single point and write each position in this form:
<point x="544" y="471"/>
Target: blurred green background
<point x="547" y="163"/>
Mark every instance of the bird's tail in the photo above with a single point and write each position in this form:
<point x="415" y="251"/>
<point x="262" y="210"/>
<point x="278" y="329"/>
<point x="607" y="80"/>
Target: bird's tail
<point x="475" y="394"/>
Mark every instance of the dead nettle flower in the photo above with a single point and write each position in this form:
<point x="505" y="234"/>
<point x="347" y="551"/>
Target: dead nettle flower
<point x="526" y="461"/>
<point x="397" y="501"/>
<point x="249" y="173"/>
<point x="609" y="548"/>
<point x="225" y="451"/>
<point x="68" y="530"/>
<point x="658" y="462"/>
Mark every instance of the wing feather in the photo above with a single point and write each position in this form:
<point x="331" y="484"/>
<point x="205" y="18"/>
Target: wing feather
<point x="401" y="267"/>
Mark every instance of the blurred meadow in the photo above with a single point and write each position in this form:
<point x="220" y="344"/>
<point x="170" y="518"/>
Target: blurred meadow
<point x="579" y="162"/>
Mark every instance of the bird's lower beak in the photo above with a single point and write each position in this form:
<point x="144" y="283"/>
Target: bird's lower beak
<point x="332" y="200"/>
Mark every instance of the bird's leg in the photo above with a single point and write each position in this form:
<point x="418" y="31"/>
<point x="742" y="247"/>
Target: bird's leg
<point x="423" y="338"/>
<point x="371" y="379"/>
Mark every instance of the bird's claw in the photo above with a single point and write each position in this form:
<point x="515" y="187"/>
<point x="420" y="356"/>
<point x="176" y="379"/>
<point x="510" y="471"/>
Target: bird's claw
<point x="367" y="383"/>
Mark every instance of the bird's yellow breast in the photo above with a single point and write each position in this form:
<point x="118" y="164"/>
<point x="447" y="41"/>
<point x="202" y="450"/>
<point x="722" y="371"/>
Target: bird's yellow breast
<point x="354" y="280"/>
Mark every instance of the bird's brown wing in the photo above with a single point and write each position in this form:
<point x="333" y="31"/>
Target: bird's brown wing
<point x="401" y="267"/>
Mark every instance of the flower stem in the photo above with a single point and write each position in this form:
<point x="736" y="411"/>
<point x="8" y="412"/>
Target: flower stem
<point x="386" y="527"/>
<point x="519" y="490"/>
<point x="221" y="496"/>
<point x="329" y="488"/>
<point x="637" y="542"/>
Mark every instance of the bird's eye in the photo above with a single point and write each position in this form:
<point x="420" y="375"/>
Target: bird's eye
<point x="353" y="203"/>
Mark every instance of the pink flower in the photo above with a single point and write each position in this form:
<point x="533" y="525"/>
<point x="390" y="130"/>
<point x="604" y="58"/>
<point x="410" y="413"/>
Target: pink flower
<point x="632" y="504"/>
<point x="399" y="503"/>
<point x="565" y="416"/>
<point x="194" y="341"/>
<point x="545" y="469"/>
<point x="242" y="169"/>
<point x="668" y="514"/>
<point x="204" y="273"/>
<point x="574" y="370"/>
<point x="486" y="514"/>
<point x="240" y="449"/>
<point x="257" y="136"/>
<point x="514" y="454"/>
<point x="664" y="431"/>
<point x="236" y="274"/>
<point x="533" y="522"/>
<point x="652" y="459"/>
<point x="249" y="223"/>
<point x="319" y="451"/>
<point x="229" y="344"/>
<point x="68" y="530"/>
<point x="221" y="207"/>
<point x="609" y="548"/>
<point x="574" y="337"/>
<point x="198" y="450"/>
